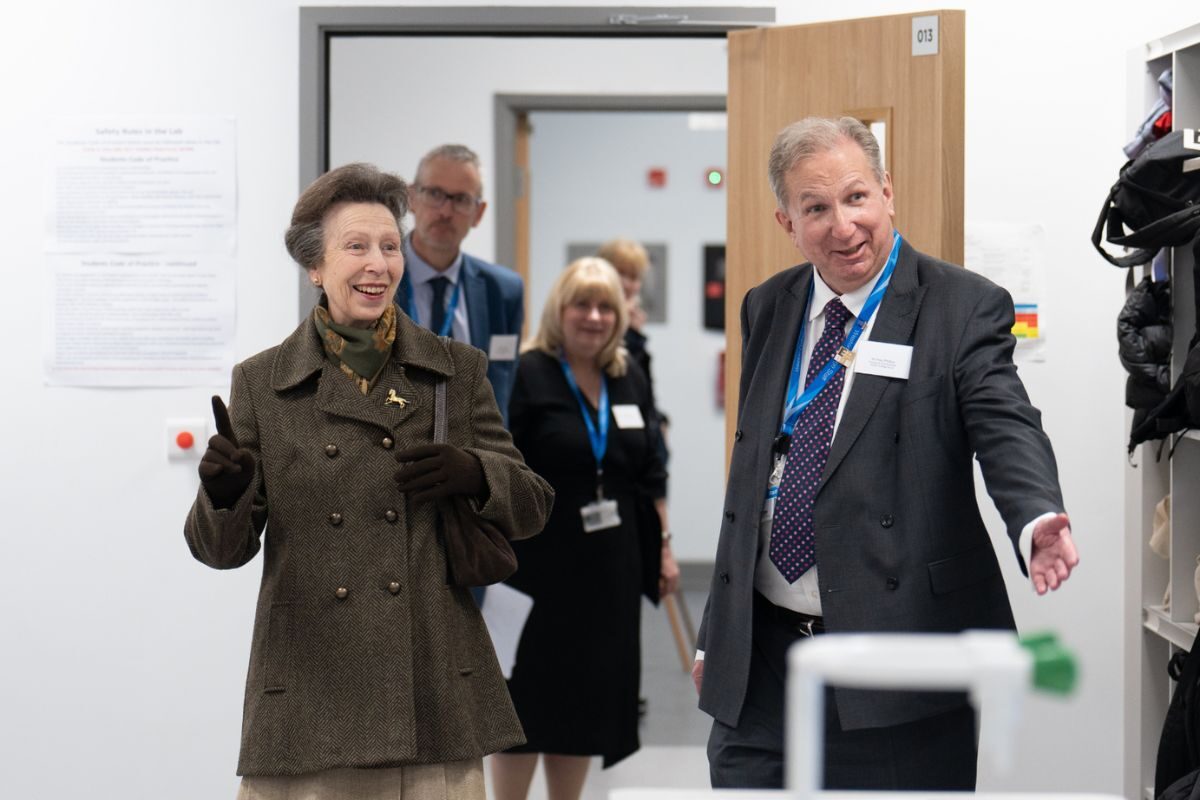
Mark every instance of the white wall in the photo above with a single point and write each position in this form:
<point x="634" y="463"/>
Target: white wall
<point x="123" y="660"/>
<point x="459" y="77"/>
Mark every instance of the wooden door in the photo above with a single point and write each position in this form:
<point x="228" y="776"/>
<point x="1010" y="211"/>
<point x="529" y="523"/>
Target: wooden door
<point x="521" y="210"/>
<point x="865" y="68"/>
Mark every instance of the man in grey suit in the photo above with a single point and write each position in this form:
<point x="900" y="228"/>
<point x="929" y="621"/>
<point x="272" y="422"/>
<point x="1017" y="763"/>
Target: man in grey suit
<point x="871" y="376"/>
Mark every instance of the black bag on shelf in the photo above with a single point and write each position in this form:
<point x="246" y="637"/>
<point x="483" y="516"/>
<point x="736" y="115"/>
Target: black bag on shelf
<point x="1145" y="334"/>
<point x="1179" y="744"/>
<point x="1186" y="788"/>
<point x="1153" y="204"/>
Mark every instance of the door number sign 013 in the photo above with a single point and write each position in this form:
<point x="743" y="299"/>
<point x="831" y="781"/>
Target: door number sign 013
<point x="925" y="36"/>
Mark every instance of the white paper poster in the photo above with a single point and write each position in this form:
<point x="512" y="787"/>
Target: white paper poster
<point x="139" y="320"/>
<point x="1014" y="256"/>
<point x="141" y="222"/>
<point x="505" y="611"/>
<point x="142" y="186"/>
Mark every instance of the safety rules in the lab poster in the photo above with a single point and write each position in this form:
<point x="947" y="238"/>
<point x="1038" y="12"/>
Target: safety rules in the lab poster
<point x="141" y="237"/>
<point x="1014" y="256"/>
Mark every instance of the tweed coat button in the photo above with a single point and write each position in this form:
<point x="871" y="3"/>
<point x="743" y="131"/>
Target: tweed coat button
<point x="390" y="515"/>
<point x="886" y="520"/>
<point x="387" y="443"/>
<point x="331" y="450"/>
<point x="335" y="518"/>
<point x="729" y="516"/>
<point x="893" y="583"/>
<point x="341" y="593"/>
<point x="724" y="577"/>
<point x="394" y="587"/>
<point x="737" y="435"/>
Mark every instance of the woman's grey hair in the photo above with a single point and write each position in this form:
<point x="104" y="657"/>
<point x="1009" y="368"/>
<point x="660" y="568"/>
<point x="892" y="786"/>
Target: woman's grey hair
<point x="352" y="183"/>
<point x="458" y="153"/>
<point x="809" y="137"/>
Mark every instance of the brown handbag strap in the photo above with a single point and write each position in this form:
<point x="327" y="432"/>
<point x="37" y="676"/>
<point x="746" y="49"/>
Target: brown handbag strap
<point x="439" y="412"/>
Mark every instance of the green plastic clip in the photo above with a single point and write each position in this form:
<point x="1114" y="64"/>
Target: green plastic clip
<point x="1054" y="667"/>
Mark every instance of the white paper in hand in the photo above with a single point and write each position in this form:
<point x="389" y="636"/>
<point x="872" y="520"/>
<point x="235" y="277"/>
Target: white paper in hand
<point x="504" y="612"/>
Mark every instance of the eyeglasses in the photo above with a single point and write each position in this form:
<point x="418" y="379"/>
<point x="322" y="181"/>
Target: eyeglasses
<point x="462" y="202"/>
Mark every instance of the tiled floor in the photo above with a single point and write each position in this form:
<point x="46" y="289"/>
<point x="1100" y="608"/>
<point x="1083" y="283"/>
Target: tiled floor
<point x="673" y="731"/>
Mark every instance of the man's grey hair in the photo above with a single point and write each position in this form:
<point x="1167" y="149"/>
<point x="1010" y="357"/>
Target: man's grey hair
<point x="814" y="135"/>
<point x="451" y="152"/>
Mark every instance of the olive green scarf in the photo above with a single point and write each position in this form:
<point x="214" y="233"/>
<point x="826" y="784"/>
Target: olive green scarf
<point x="361" y="353"/>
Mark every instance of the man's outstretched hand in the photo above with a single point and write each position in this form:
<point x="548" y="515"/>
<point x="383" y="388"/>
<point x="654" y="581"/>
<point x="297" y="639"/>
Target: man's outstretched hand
<point x="1053" y="555"/>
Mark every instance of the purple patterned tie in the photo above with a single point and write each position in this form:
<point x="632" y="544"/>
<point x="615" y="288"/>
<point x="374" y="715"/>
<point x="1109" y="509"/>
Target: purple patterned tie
<point x="793" y="549"/>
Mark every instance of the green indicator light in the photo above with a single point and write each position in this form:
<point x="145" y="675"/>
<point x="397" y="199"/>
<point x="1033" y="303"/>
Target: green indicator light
<point x="715" y="177"/>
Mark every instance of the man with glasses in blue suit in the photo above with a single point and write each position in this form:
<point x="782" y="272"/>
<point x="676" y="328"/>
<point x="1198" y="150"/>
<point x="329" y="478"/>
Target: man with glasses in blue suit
<point x="448" y="291"/>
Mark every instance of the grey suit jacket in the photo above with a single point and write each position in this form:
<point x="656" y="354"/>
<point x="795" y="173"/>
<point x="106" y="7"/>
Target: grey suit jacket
<point x="900" y="542"/>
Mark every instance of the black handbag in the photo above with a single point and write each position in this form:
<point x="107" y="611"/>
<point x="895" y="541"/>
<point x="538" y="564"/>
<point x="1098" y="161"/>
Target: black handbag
<point x="477" y="552"/>
<point x="1154" y="203"/>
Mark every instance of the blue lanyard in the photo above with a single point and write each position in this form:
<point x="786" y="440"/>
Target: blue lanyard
<point x="598" y="438"/>
<point x="797" y="400"/>
<point x="448" y="322"/>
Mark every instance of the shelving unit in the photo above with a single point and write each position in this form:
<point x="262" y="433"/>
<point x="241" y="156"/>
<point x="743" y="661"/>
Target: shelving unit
<point x="1153" y="631"/>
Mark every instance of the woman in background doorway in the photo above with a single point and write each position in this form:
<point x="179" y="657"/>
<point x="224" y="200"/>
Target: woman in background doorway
<point x="631" y="261"/>
<point x="581" y="414"/>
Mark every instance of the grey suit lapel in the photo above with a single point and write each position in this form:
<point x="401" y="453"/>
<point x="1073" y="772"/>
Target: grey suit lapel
<point x="791" y="309"/>
<point x="894" y="322"/>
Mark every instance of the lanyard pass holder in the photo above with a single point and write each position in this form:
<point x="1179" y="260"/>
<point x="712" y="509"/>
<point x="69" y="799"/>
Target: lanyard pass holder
<point x="600" y="514"/>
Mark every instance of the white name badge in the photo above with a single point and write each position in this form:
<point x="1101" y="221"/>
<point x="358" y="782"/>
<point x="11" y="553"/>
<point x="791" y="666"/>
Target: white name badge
<point x="600" y="515"/>
<point x="502" y="347"/>
<point x="881" y="358"/>
<point x="628" y="417"/>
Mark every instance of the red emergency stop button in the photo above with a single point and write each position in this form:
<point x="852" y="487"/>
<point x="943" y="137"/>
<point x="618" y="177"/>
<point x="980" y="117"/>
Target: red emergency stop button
<point x="185" y="440"/>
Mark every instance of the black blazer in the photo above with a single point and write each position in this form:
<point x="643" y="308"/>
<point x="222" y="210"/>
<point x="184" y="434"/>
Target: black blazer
<point x="901" y="546"/>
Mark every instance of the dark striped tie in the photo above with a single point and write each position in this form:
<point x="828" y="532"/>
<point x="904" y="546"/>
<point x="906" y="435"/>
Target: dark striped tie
<point x="793" y="546"/>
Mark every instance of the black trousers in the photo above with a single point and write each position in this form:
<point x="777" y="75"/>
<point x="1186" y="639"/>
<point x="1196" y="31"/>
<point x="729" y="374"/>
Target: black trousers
<point x="932" y="754"/>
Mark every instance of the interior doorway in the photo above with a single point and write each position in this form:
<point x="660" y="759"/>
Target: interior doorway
<point x="646" y="175"/>
<point x="433" y="70"/>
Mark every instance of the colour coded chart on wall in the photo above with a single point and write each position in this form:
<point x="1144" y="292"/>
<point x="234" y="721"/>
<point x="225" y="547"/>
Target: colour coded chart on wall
<point x="1026" y="325"/>
<point x="1014" y="256"/>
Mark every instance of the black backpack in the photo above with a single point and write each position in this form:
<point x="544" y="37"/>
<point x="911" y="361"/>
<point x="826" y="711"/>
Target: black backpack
<point x="1179" y="745"/>
<point x="1186" y="788"/>
<point x="1154" y="203"/>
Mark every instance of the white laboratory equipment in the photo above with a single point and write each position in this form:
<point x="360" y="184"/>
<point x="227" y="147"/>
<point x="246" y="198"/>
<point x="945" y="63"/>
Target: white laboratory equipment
<point x="995" y="668"/>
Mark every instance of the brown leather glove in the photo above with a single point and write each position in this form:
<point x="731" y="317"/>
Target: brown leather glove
<point x="436" y="471"/>
<point x="225" y="469"/>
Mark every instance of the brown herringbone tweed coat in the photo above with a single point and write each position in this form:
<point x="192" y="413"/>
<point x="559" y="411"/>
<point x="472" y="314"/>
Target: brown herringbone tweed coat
<point x="362" y="656"/>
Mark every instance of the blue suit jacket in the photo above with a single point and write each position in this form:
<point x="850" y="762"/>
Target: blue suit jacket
<point x="495" y="306"/>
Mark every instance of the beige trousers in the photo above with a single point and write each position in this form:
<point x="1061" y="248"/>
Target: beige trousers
<point x="454" y="780"/>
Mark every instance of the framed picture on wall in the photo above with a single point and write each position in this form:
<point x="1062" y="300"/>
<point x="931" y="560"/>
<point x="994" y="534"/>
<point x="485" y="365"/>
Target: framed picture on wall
<point x="654" y="284"/>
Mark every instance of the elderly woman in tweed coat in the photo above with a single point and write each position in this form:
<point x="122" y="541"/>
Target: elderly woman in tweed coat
<point x="369" y="675"/>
